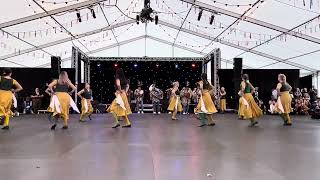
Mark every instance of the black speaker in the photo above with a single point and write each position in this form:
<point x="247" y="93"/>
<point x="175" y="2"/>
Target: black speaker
<point x="237" y="73"/>
<point x="55" y="66"/>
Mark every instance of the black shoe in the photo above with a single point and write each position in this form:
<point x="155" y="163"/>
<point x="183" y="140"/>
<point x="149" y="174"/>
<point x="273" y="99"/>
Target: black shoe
<point x="5" y="128"/>
<point x="115" y="126"/>
<point x="212" y="124"/>
<point x="253" y="124"/>
<point x="127" y="126"/>
<point x="202" y="125"/>
<point x="287" y="124"/>
<point x="81" y="121"/>
<point x="53" y="127"/>
<point x="90" y="118"/>
<point x="64" y="127"/>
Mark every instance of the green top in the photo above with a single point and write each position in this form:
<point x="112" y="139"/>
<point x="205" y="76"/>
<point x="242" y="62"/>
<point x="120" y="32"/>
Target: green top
<point x="285" y="87"/>
<point x="86" y="94"/>
<point x="6" y="84"/>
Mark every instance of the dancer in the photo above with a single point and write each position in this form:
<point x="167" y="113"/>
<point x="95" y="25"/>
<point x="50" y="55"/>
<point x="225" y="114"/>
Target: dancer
<point x="120" y="106"/>
<point x="86" y="106"/>
<point x="205" y="107"/>
<point x="186" y="95"/>
<point x="156" y="95"/>
<point x="223" y="103"/>
<point x="175" y="105"/>
<point x="139" y="94"/>
<point x="8" y="86"/>
<point x="61" y="99"/>
<point x="248" y="108"/>
<point x="283" y="105"/>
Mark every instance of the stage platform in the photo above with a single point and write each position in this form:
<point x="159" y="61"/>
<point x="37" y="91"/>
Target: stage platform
<point x="157" y="148"/>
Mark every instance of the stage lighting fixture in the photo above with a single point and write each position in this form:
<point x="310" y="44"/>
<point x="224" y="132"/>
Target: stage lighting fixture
<point x="156" y="19"/>
<point x="157" y="65"/>
<point x="135" y="65"/>
<point x="211" y="19"/>
<point x="115" y="65"/>
<point x="137" y="19"/>
<point x="177" y="66"/>
<point x="193" y="65"/>
<point x="98" y="65"/>
<point x="79" y="16"/>
<point x="200" y="14"/>
<point x="93" y="13"/>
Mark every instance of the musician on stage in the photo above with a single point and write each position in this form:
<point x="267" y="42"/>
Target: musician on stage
<point x="186" y="95"/>
<point x="139" y="95"/>
<point x="156" y="96"/>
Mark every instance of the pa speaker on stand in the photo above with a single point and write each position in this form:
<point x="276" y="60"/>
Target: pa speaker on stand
<point x="237" y="73"/>
<point x="55" y="66"/>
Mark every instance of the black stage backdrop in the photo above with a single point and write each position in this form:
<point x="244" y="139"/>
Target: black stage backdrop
<point x="265" y="79"/>
<point x="31" y="78"/>
<point x="305" y="82"/>
<point x="163" y="73"/>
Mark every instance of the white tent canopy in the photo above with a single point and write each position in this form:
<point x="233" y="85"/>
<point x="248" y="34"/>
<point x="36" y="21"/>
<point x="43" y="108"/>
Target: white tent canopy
<point x="265" y="33"/>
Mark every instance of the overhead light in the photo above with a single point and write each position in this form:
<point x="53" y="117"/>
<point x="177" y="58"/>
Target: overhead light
<point x="200" y="14"/>
<point x="156" y="19"/>
<point x="211" y="19"/>
<point x="93" y="13"/>
<point x="79" y="16"/>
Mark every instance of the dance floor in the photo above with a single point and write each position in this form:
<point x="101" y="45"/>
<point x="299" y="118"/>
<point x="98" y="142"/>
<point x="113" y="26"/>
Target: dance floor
<point x="157" y="148"/>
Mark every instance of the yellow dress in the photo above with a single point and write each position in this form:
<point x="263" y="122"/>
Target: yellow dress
<point x="207" y="102"/>
<point x="89" y="111"/>
<point x="223" y="104"/>
<point x="64" y="100"/>
<point x="248" y="108"/>
<point x="6" y="97"/>
<point x="173" y="101"/>
<point x="286" y="100"/>
<point x="116" y="109"/>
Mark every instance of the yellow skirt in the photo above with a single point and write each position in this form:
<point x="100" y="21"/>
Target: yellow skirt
<point x="251" y="112"/>
<point x="64" y="100"/>
<point x="6" y="103"/>
<point x="208" y="103"/>
<point x="172" y="104"/>
<point x="286" y="100"/>
<point x="83" y="108"/>
<point x="223" y="105"/>
<point x="49" y="109"/>
<point x="117" y="109"/>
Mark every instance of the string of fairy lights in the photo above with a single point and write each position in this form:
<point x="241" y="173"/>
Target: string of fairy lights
<point x="40" y="34"/>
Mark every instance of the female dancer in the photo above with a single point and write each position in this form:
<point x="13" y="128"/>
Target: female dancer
<point x="205" y="107"/>
<point x="86" y="106"/>
<point x="120" y="106"/>
<point x="248" y="107"/>
<point x="223" y="103"/>
<point x="175" y="105"/>
<point x="284" y="100"/>
<point x="6" y="96"/>
<point x="61" y="99"/>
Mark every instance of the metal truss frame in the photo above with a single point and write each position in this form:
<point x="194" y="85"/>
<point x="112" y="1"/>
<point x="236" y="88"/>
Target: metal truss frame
<point x="211" y="8"/>
<point x="237" y="46"/>
<point x="53" y="43"/>
<point x="52" y="12"/>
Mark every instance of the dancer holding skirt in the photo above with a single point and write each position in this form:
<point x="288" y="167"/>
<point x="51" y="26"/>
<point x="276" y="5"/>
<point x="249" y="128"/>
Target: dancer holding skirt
<point x="283" y="105"/>
<point x="205" y="107"/>
<point x="8" y="86"/>
<point x="175" y="105"/>
<point x="248" y="109"/>
<point x="86" y="106"/>
<point x="120" y="106"/>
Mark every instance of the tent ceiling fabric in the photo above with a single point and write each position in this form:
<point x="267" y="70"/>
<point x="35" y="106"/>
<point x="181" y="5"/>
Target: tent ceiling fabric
<point x="266" y="33"/>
